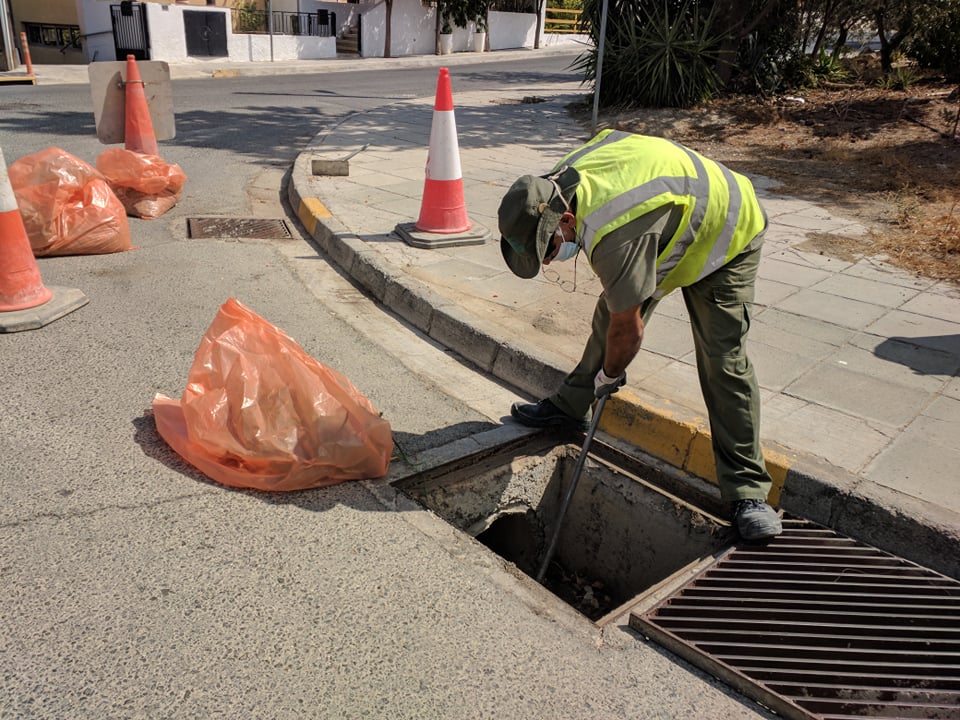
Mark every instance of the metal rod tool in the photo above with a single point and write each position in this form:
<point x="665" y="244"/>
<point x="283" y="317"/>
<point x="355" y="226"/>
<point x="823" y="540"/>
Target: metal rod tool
<point x="572" y="487"/>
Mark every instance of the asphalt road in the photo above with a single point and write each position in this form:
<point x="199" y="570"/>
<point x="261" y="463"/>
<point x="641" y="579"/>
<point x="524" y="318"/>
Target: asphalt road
<point x="235" y="140"/>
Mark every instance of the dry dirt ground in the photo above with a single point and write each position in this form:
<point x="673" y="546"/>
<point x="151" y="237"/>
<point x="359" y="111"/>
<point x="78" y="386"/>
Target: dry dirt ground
<point x="889" y="158"/>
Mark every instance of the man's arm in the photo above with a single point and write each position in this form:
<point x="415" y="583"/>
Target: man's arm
<point x="624" y="336"/>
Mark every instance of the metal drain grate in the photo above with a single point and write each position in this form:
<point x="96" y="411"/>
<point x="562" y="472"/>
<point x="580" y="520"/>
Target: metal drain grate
<point x="249" y="228"/>
<point x="818" y="625"/>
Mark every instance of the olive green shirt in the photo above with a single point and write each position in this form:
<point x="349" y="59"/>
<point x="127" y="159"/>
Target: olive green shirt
<point x="625" y="259"/>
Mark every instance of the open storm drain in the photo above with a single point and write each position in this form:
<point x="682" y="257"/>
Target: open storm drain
<point x="812" y="624"/>
<point x="246" y="228"/>
<point x="621" y="534"/>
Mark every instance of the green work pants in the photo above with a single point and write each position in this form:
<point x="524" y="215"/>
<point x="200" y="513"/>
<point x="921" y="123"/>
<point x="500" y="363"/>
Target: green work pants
<point x="719" y="309"/>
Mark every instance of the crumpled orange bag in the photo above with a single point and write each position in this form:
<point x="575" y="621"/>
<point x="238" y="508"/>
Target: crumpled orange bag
<point x="259" y="412"/>
<point x="67" y="206"/>
<point x="147" y="185"/>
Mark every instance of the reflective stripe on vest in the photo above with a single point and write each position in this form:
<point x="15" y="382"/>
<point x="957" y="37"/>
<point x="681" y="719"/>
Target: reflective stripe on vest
<point x="721" y="213"/>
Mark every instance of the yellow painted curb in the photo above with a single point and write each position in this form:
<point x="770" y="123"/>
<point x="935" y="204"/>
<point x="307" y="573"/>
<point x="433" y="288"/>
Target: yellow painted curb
<point x="310" y="210"/>
<point x="652" y="430"/>
<point x="685" y="444"/>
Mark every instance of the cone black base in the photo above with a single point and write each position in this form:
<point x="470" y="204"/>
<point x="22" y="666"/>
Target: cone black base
<point x="476" y="235"/>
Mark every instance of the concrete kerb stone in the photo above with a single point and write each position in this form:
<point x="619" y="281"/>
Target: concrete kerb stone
<point x="805" y="486"/>
<point x="456" y="328"/>
<point x="836" y="498"/>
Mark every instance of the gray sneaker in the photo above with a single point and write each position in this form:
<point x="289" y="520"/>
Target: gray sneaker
<point x="756" y="520"/>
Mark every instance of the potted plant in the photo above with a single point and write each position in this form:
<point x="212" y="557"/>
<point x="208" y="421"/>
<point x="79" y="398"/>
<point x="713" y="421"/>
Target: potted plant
<point x="446" y="36"/>
<point x="480" y="33"/>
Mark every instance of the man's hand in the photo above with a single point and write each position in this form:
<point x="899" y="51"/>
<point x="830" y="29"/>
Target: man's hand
<point x="603" y="384"/>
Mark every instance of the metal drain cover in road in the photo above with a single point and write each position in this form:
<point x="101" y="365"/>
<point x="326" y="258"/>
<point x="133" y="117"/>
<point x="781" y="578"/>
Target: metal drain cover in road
<point x="818" y="625"/>
<point x="247" y="228"/>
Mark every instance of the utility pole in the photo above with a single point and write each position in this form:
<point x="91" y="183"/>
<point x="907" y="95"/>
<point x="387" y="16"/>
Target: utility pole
<point x="596" y="83"/>
<point x="270" y="25"/>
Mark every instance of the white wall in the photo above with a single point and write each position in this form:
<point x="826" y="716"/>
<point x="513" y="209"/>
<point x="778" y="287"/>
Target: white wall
<point x="96" y="26"/>
<point x="168" y="42"/>
<point x="256" y="48"/>
<point x="414" y="26"/>
<point x="509" y="31"/>
<point x="555" y="39"/>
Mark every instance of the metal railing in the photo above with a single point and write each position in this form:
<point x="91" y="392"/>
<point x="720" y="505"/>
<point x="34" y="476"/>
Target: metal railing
<point x="321" y="23"/>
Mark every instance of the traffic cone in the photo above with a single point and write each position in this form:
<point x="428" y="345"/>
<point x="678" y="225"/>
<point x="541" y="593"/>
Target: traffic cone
<point x="20" y="284"/>
<point x="25" y="303"/>
<point x="443" y="217"/>
<point x="138" y="135"/>
<point x="442" y="209"/>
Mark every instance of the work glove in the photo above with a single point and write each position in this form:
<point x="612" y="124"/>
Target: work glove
<point x="604" y="385"/>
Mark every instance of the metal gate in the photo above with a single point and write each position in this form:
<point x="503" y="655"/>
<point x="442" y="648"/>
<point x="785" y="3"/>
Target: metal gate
<point x="206" y="33"/>
<point x="130" y="35"/>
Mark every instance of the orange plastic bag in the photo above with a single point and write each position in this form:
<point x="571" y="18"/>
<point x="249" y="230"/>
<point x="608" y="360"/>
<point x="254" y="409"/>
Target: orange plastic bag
<point x="147" y="185"/>
<point x="67" y="206"/>
<point x="259" y="412"/>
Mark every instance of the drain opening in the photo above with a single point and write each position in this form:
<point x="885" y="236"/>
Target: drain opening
<point x="245" y="228"/>
<point x="621" y="534"/>
<point x="518" y="537"/>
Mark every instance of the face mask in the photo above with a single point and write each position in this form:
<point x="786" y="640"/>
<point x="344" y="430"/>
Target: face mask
<point x="567" y="250"/>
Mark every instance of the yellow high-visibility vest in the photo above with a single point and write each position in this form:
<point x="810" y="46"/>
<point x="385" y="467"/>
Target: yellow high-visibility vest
<point x="623" y="176"/>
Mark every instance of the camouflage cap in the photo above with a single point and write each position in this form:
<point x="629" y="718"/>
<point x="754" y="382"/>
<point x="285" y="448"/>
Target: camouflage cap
<point x="528" y="216"/>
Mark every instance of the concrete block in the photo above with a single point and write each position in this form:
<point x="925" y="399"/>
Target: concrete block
<point x="774" y="325"/>
<point x="457" y="329"/>
<point x="372" y="273"/>
<point x="832" y="309"/>
<point x="925" y="331"/>
<point x="869" y="291"/>
<point x="901" y="525"/>
<point x="860" y="395"/>
<point x="834" y="436"/>
<point x="534" y="374"/>
<point x="790" y="272"/>
<point x="412" y="301"/>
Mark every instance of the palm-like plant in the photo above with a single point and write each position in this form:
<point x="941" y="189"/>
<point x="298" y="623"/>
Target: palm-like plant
<point x="658" y="54"/>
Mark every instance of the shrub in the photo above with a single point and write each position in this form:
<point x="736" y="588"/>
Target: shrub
<point x="655" y="54"/>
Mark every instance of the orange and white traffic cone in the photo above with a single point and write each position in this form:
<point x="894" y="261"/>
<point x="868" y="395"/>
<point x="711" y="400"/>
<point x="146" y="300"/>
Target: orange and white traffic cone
<point x="443" y="217"/>
<point x="442" y="209"/>
<point x="25" y="302"/>
<point x="138" y="135"/>
<point x="20" y="284"/>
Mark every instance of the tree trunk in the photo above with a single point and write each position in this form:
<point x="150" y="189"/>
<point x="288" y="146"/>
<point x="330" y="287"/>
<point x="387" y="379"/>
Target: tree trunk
<point x="727" y="59"/>
<point x="841" y="42"/>
<point x="886" y="53"/>
<point x="736" y="32"/>
<point x="821" y="34"/>
<point x="536" y="38"/>
<point x="387" y="50"/>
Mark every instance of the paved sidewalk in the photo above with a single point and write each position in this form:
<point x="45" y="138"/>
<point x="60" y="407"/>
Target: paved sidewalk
<point x="858" y="361"/>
